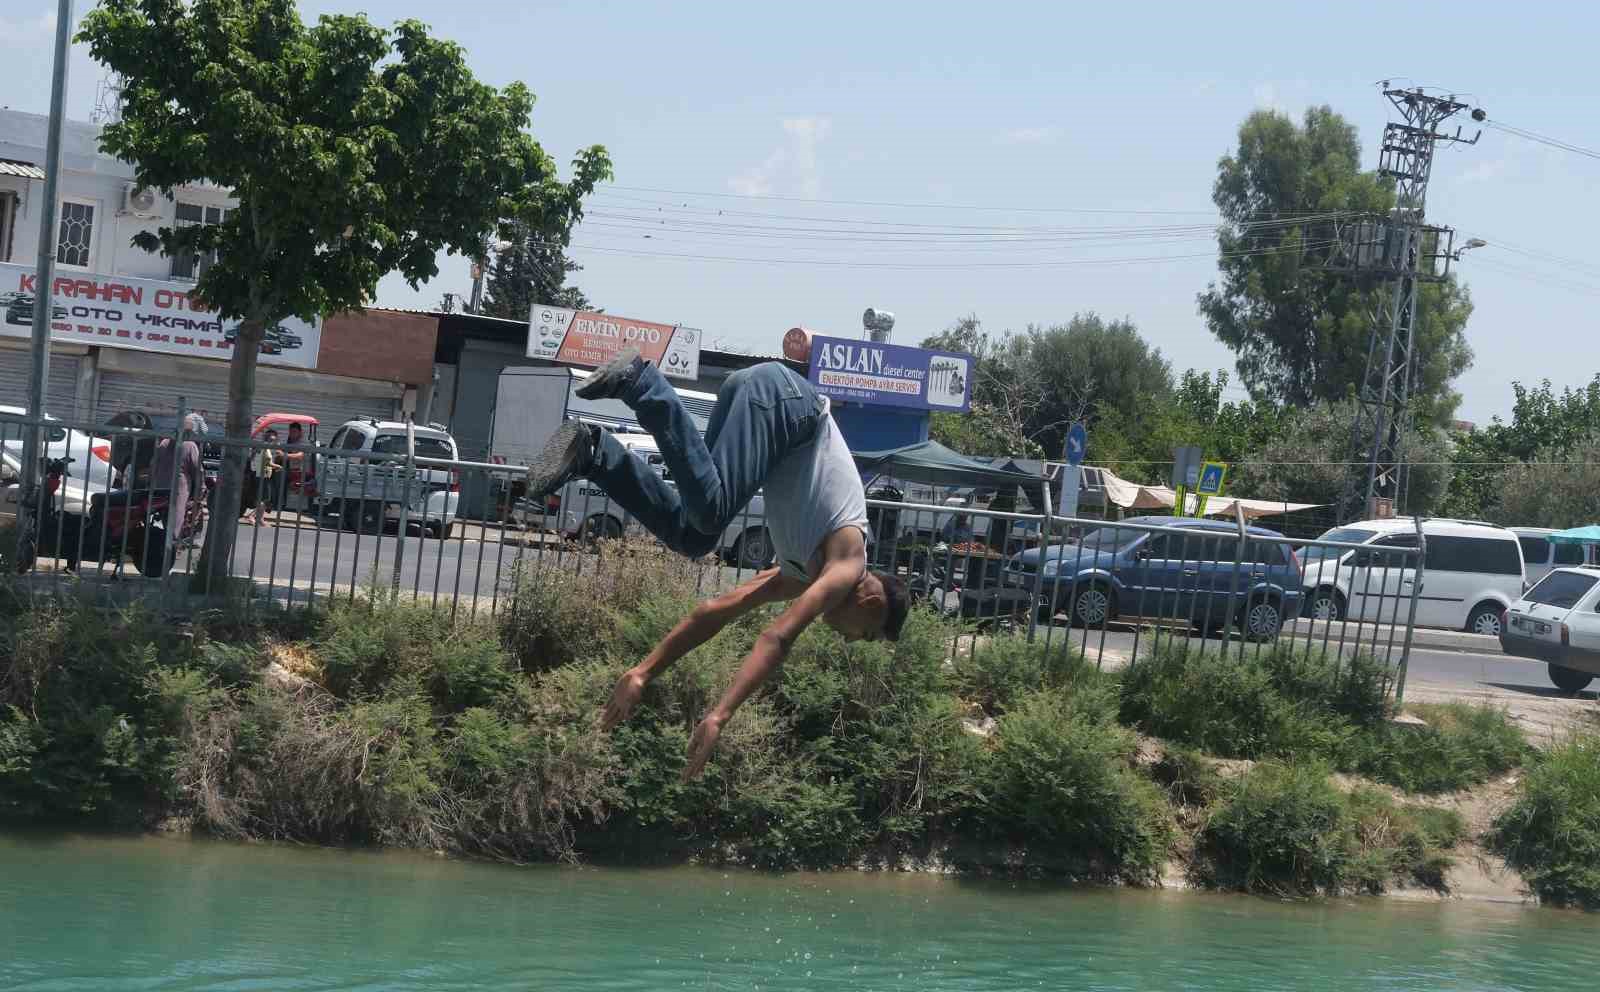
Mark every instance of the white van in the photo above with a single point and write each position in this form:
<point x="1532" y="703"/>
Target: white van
<point x="1472" y="574"/>
<point x="1539" y="556"/>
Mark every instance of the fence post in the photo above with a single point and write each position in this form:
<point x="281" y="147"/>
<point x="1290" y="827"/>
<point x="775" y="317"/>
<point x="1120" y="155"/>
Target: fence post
<point x="405" y="509"/>
<point x="176" y="515"/>
<point x="1038" y="573"/>
<point x="1411" y="618"/>
<point x="1233" y="589"/>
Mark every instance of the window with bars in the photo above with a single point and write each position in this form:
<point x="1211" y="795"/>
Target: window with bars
<point x="189" y="215"/>
<point x="75" y="240"/>
<point x="8" y="223"/>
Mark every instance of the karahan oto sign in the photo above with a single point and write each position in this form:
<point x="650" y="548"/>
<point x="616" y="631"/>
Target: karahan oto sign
<point x="891" y="375"/>
<point x="142" y="314"/>
<point x="587" y="337"/>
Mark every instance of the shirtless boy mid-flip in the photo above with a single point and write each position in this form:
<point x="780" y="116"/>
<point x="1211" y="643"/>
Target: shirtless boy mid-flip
<point x="769" y="429"/>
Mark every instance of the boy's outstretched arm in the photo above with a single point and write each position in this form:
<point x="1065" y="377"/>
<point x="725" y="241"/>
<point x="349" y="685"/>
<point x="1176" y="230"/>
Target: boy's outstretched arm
<point x="702" y="624"/>
<point x="835" y="584"/>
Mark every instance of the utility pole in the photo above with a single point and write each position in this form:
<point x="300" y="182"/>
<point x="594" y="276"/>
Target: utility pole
<point x="44" y="272"/>
<point x="1402" y="250"/>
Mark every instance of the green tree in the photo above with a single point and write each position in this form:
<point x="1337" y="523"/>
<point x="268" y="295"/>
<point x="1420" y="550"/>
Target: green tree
<point x="353" y="151"/>
<point x="1545" y="427"/>
<point x="1036" y="383"/>
<point x="529" y="270"/>
<point x="1298" y="329"/>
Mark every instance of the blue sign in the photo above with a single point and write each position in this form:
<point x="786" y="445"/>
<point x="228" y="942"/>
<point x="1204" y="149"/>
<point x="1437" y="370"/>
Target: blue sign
<point x="1077" y="441"/>
<point x="859" y="371"/>
<point x="1211" y="478"/>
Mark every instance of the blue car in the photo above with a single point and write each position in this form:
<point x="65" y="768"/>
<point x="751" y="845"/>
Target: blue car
<point x="1116" y="572"/>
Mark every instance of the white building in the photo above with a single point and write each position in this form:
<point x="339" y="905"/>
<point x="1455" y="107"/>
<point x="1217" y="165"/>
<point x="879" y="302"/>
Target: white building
<point x="141" y="362"/>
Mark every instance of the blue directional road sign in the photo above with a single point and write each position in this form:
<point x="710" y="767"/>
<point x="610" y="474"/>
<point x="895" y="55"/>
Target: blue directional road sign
<point x="1077" y="441"/>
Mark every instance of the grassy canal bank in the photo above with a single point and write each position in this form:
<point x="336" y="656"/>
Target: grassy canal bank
<point x="393" y="725"/>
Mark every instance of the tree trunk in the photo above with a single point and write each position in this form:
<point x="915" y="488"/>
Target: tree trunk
<point x="216" y="558"/>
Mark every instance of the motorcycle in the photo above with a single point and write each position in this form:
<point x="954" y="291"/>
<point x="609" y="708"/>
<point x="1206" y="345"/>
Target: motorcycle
<point x="124" y="523"/>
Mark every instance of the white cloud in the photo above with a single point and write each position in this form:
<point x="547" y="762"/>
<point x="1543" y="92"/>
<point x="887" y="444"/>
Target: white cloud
<point x="792" y="167"/>
<point x="28" y="31"/>
<point x="1031" y="135"/>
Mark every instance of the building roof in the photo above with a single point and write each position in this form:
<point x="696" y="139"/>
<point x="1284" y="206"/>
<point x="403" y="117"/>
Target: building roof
<point x="17" y="167"/>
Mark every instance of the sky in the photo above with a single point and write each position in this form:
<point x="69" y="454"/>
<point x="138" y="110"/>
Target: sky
<point x="782" y="164"/>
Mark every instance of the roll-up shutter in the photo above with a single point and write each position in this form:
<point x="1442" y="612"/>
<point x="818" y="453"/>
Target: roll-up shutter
<point x="121" y="391"/>
<point x="204" y="388"/>
<point x="16" y="374"/>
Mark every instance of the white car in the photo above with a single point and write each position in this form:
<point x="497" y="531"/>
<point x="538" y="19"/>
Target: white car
<point x="88" y="473"/>
<point x="1556" y="622"/>
<point x="365" y="492"/>
<point x="1539" y="556"/>
<point x="1471" y="575"/>
<point x="581" y="508"/>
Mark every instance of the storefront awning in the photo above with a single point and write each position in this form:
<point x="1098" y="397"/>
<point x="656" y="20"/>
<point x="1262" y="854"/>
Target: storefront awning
<point x="16" y="167"/>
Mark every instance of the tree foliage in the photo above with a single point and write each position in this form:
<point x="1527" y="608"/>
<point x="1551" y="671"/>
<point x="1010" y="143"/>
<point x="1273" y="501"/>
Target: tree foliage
<point x="353" y="151"/>
<point x="528" y="271"/>
<point x="1033" y="385"/>
<point x="1300" y="330"/>
<point x="1533" y="470"/>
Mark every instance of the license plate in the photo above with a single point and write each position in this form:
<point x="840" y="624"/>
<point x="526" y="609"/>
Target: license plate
<point x="1532" y="626"/>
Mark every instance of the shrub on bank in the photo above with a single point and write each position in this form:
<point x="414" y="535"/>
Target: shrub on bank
<point x="1551" y="832"/>
<point x="1296" y="703"/>
<point x="1286" y="829"/>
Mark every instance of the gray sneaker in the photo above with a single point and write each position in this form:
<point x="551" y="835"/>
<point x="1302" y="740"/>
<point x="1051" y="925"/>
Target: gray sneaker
<point x="612" y="379"/>
<point x="567" y="455"/>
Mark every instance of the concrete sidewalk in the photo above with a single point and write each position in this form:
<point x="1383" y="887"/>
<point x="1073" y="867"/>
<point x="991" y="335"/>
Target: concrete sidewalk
<point x="1423" y="637"/>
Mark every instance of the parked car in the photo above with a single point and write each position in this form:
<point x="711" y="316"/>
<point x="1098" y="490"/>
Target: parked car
<point x="19" y="309"/>
<point x="581" y="509"/>
<point x="88" y="472"/>
<point x="1190" y="575"/>
<point x="366" y="486"/>
<point x="1558" y="622"/>
<point x="1472" y="573"/>
<point x="1539" y="556"/>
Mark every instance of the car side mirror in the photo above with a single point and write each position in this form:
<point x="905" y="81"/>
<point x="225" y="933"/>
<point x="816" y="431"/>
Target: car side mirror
<point x="1361" y="559"/>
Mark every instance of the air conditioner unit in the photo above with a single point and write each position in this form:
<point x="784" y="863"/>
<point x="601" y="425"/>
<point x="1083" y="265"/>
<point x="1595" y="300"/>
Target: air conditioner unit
<point x="140" y="201"/>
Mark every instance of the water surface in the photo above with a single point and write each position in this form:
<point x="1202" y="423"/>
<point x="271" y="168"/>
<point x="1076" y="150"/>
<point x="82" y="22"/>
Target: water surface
<point x="82" y="913"/>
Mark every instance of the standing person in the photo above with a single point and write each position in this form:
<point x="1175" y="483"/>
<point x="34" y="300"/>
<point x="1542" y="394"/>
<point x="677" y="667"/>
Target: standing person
<point x="268" y="473"/>
<point x="191" y="474"/>
<point x="294" y="466"/>
<point x="769" y="428"/>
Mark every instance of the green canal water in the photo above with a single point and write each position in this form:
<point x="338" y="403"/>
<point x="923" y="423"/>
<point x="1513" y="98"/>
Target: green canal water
<point x="154" y="913"/>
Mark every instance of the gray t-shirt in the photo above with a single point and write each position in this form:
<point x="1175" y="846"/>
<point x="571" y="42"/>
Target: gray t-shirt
<point x="813" y="492"/>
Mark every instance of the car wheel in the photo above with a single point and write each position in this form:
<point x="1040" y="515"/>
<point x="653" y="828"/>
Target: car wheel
<point x="1263" y="619"/>
<point x="1093" y="605"/>
<point x="601" y="528"/>
<point x="1486" y="619"/>
<point x="365" y="517"/>
<point x="754" y="549"/>
<point x="1569" y="680"/>
<point x="1326" y="605"/>
<point x="445" y="532"/>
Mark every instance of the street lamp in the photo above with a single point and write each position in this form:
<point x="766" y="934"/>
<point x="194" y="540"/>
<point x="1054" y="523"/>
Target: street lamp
<point x="1471" y="244"/>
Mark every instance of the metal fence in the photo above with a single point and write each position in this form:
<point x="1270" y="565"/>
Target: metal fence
<point x="351" y="521"/>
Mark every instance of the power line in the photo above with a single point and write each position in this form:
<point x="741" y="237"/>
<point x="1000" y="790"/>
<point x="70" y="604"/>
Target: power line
<point x="915" y="206"/>
<point x="1544" y="139"/>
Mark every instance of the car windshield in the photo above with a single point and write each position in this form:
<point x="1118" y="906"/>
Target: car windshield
<point x="1560" y="589"/>
<point x="1311" y="554"/>
<point x="427" y="447"/>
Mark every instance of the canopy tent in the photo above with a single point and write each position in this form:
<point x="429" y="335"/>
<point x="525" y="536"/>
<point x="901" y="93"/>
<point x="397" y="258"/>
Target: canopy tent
<point x="1134" y="496"/>
<point x="932" y="463"/>
<point x="1576" y="535"/>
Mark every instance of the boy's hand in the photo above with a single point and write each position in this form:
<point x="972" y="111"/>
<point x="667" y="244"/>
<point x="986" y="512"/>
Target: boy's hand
<point x="701" y="745"/>
<point x="623" y="699"/>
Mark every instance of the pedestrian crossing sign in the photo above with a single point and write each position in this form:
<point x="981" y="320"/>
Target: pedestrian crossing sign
<point x="1211" y="475"/>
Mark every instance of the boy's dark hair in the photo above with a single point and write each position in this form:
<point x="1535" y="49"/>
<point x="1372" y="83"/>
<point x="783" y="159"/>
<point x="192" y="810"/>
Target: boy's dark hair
<point x="897" y="603"/>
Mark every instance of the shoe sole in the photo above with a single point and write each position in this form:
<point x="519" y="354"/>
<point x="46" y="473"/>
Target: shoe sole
<point x="602" y="382"/>
<point x="558" y="462"/>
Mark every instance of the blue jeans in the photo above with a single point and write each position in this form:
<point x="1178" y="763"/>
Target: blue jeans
<point x="762" y="413"/>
